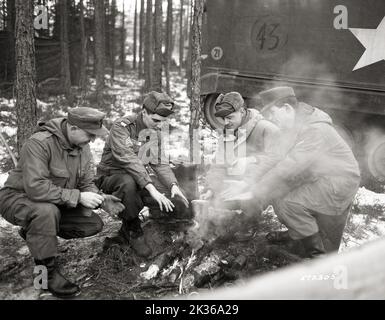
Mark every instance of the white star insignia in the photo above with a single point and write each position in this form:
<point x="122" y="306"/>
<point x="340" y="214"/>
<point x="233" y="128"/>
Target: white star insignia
<point x="374" y="42"/>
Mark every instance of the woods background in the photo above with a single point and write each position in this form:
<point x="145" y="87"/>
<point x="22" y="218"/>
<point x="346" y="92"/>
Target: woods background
<point x="55" y="47"/>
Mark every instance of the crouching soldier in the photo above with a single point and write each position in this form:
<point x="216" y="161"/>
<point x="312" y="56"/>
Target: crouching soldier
<point x="252" y="138"/>
<point x="128" y="172"/>
<point x="313" y="186"/>
<point x="51" y="192"/>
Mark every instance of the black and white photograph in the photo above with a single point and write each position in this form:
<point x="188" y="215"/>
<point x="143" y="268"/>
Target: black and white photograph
<point x="188" y="151"/>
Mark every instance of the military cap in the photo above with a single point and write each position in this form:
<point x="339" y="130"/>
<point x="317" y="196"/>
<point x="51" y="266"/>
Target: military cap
<point x="88" y="119"/>
<point x="159" y="103"/>
<point x="228" y="103"/>
<point x="274" y="95"/>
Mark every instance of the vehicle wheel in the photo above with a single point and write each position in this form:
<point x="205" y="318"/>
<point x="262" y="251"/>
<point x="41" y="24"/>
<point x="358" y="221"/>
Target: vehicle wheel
<point x="209" y="111"/>
<point x="376" y="160"/>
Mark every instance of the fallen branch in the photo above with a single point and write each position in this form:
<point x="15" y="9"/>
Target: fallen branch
<point x="8" y="149"/>
<point x="46" y="81"/>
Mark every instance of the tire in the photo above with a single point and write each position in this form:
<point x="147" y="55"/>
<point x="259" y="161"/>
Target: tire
<point x="209" y="111"/>
<point x="376" y="160"/>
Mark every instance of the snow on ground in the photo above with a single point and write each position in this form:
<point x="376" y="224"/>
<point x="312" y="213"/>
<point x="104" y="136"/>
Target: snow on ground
<point x="3" y="178"/>
<point x="366" y="222"/>
<point x="367" y="197"/>
<point x="367" y="219"/>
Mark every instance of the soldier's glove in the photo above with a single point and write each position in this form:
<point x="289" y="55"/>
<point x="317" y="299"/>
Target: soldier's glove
<point x="112" y="204"/>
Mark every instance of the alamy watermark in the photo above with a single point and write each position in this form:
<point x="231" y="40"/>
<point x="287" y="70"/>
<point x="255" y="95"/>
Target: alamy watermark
<point x="153" y="146"/>
<point x="41" y="280"/>
<point x="41" y="17"/>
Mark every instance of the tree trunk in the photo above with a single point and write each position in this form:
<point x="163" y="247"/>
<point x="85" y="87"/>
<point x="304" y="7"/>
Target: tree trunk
<point x="189" y="53"/>
<point x="83" y="44"/>
<point x="148" y="77"/>
<point x="141" y="38"/>
<point x="112" y="38"/>
<point x="158" y="31"/>
<point x="107" y="48"/>
<point x="64" y="50"/>
<point x="168" y="44"/>
<point x="135" y="33"/>
<point x="11" y="64"/>
<point x="99" y="49"/>
<point x="181" y="38"/>
<point x="123" y="42"/>
<point x="196" y="37"/>
<point x="26" y="106"/>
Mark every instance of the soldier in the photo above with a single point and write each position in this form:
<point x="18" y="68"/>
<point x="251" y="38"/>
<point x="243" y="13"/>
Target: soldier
<point x="253" y="136"/>
<point x="312" y="187"/>
<point x="51" y="191"/>
<point x="127" y="172"/>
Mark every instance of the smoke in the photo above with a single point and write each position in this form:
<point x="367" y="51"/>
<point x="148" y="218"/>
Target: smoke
<point x="316" y="83"/>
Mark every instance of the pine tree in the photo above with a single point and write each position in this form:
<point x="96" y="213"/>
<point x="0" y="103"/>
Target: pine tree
<point x="169" y="46"/>
<point x="26" y="106"/>
<point x="141" y="38"/>
<point x="158" y="32"/>
<point x="65" y="74"/>
<point x="135" y="34"/>
<point x="99" y="49"/>
<point x="196" y="43"/>
<point x="148" y="68"/>
<point x="123" y="42"/>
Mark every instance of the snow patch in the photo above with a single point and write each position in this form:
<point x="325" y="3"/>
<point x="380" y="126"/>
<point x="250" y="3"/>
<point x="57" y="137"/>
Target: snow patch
<point x="3" y="178"/>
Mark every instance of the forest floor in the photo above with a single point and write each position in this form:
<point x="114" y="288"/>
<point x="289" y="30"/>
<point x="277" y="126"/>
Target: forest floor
<point x="184" y="261"/>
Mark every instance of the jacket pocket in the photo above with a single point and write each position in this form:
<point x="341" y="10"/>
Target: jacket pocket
<point x="59" y="176"/>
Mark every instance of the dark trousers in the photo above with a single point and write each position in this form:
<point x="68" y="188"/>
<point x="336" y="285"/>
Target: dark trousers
<point x="303" y="222"/>
<point x="43" y="222"/>
<point x="124" y="187"/>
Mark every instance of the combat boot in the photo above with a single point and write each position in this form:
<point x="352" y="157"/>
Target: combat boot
<point x="313" y="245"/>
<point x="58" y="285"/>
<point x="122" y="239"/>
<point x="140" y="246"/>
<point x="278" y="237"/>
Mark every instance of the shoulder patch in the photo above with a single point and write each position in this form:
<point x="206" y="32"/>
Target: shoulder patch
<point x="41" y="135"/>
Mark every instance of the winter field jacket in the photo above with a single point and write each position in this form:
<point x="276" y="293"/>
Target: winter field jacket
<point x="126" y="151"/>
<point x="50" y="169"/>
<point x="259" y="137"/>
<point x="318" y="170"/>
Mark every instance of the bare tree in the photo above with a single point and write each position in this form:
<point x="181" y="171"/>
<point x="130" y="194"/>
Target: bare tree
<point x="181" y="37"/>
<point x="135" y="33"/>
<point x="196" y="39"/>
<point x="99" y="49"/>
<point x="26" y="106"/>
<point x="83" y="44"/>
<point x="123" y="42"/>
<point x="112" y="39"/>
<point x="11" y="39"/>
<point x="141" y="38"/>
<point x="158" y="31"/>
<point x="189" y="54"/>
<point x="148" y="77"/>
<point x="169" y="46"/>
<point x="65" y="73"/>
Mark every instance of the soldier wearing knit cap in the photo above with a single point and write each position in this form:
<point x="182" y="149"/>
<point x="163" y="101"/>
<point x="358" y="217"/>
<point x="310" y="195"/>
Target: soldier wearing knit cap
<point x="140" y="182"/>
<point x="252" y="133"/>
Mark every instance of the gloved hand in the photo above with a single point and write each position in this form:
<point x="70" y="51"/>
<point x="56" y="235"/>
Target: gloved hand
<point x="112" y="204"/>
